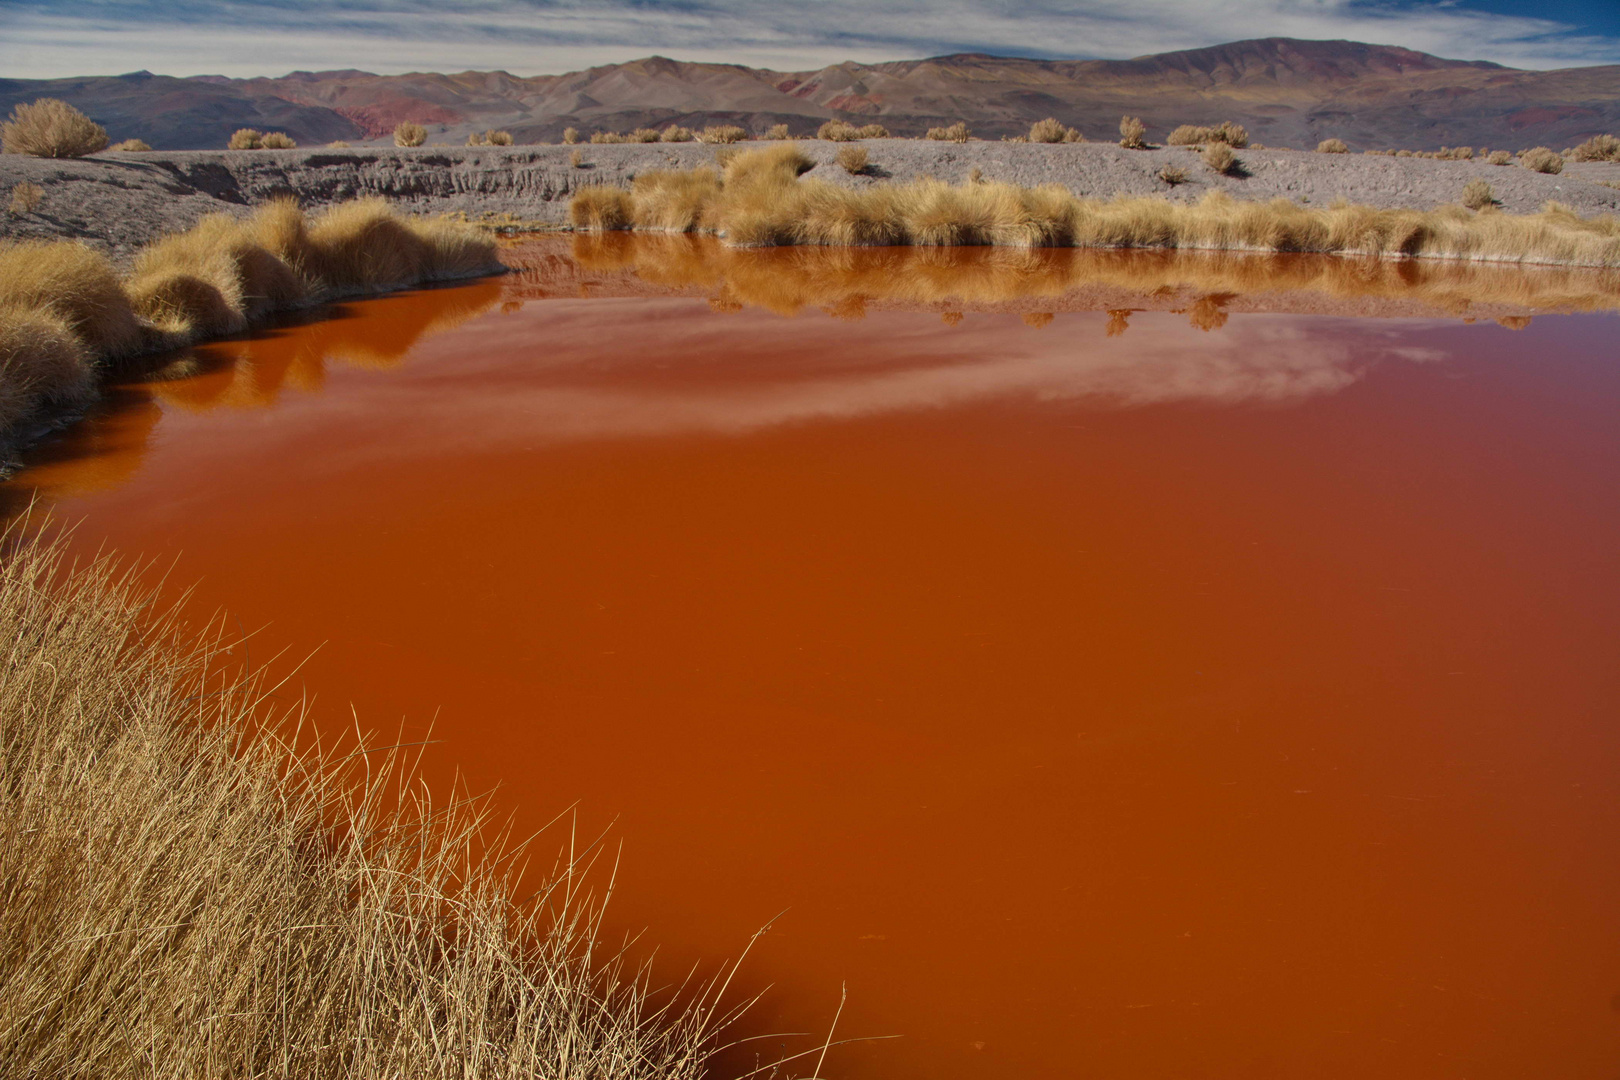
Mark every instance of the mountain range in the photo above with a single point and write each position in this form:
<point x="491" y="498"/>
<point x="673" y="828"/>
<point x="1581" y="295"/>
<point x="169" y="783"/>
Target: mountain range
<point x="1287" y="92"/>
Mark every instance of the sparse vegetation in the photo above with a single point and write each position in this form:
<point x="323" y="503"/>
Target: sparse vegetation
<point x="722" y="134"/>
<point x="854" y="159"/>
<point x="1173" y="175"/>
<point x="1233" y="135"/>
<point x="576" y="159"/>
<point x="1332" y="146"/>
<point x="1051" y="131"/>
<point x="674" y="133"/>
<point x="1542" y="160"/>
<point x="598" y="208"/>
<point x="409" y="134"/>
<point x="25" y="198"/>
<point x="338" y="144"/>
<point x="570" y="136"/>
<point x="662" y="200"/>
<point x="1220" y="159"/>
<point x="838" y="131"/>
<point x="1499" y="157"/>
<point x="872" y="131"/>
<point x="245" y="139"/>
<point x="1597" y="148"/>
<point x="216" y="278"/>
<point x="504" y="138"/>
<point x="1477" y="195"/>
<point x="50" y="128"/>
<point x="957" y="133"/>
<point x="644" y="135"/>
<point x="131" y="146"/>
<point x="1132" y="133"/>
<point x="277" y="140"/>
<point x="777" y="132"/>
<point x="184" y="886"/>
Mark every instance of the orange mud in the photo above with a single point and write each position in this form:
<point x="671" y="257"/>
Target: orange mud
<point x="1147" y="704"/>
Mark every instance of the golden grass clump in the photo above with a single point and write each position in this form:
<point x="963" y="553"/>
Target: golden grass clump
<point x="219" y="275"/>
<point x="1132" y="133"/>
<point x="854" y="159"/>
<point x="408" y="134"/>
<point x="1455" y="153"/>
<point x="1220" y="159"/>
<point x="956" y="133"/>
<point x="576" y="159"/>
<point x="838" y="131"/>
<point x="1499" y="157"/>
<point x="675" y="133"/>
<point x="777" y="132"/>
<point x="1477" y="195"/>
<point x="277" y="140"/>
<point x="1051" y="131"/>
<point x="131" y="146"/>
<point x="1173" y="175"/>
<point x="598" y="137"/>
<point x="43" y="363"/>
<point x="570" y="136"/>
<point x="667" y="200"/>
<point x="192" y="880"/>
<point x="599" y="207"/>
<point x="643" y="135"/>
<point x="1233" y="135"/>
<point x="1333" y="146"/>
<point x="1542" y="160"/>
<point x="872" y="131"/>
<point x="51" y="128"/>
<point x="722" y="134"/>
<point x="245" y="139"/>
<point x="1597" y="148"/>
<point x="25" y="198"/>
<point x="76" y="284"/>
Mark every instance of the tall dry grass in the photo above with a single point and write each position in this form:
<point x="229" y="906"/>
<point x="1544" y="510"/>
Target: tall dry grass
<point x="186" y="889"/>
<point x="51" y="128"/>
<point x="760" y="201"/>
<point x="217" y="278"/>
<point x="1597" y="148"/>
<point x="407" y="134"/>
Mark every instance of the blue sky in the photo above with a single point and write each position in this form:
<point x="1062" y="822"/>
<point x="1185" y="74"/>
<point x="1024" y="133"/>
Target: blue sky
<point x="260" y="37"/>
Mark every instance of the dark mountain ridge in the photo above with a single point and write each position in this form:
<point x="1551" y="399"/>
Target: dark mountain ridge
<point x="1288" y="92"/>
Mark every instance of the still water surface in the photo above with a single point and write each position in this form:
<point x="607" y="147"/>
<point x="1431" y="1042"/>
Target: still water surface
<point x="1193" y="701"/>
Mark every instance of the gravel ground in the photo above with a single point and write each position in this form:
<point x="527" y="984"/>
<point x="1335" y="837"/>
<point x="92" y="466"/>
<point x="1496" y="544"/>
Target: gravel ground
<point x="120" y="201"/>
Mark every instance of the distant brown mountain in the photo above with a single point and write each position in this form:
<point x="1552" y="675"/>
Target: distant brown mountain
<point x="1287" y="92"/>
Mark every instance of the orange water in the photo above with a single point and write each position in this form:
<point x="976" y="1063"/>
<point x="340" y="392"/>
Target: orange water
<point x="1171" y="704"/>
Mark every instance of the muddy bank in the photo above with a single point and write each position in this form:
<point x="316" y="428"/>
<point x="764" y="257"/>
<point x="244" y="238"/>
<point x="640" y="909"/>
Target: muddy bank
<point x="119" y="201"/>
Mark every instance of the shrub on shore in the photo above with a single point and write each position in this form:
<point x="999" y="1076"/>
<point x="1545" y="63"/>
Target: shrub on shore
<point x="1332" y="146"/>
<point x="1542" y="160"/>
<point x="43" y="364"/>
<point x="217" y="278"/>
<point x="1051" y="131"/>
<point x="599" y="207"/>
<point x="854" y="159"/>
<point x="1132" y="133"/>
<point x="51" y="128"/>
<point x="1220" y="159"/>
<point x="131" y="146"/>
<point x="1597" y="148"/>
<point x="957" y="133"/>
<point x="186" y="887"/>
<point x="409" y="134"/>
<point x="1477" y="195"/>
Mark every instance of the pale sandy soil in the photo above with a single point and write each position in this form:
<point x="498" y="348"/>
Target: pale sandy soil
<point x="120" y="201"/>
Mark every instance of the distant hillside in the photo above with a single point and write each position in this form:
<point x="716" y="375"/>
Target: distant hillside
<point x="1287" y="92"/>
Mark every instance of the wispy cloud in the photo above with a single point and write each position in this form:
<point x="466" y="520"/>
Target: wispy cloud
<point x="242" y="37"/>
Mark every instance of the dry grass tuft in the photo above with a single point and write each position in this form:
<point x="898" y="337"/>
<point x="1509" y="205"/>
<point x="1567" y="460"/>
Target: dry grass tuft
<point x="598" y="207"/>
<point x="854" y="159"/>
<point x="838" y="131"/>
<point x="777" y="132"/>
<point x="1542" y="160"/>
<point x="675" y="133"/>
<point x="184" y="887"/>
<point x="1233" y="135"/>
<point x="409" y="134"/>
<point x="76" y="284"/>
<point x="1477" y="195"/>
<point x="570" y="136"/>
<point x="722" y="134"/>
<point x="25" y="198"/>
<point x="576" y="159"/>
<point x="872" y="131"/>
<point x="1597" y="148"/>
<point x="277" y="140"/>
<point x="131" y="146"/>
<point x="671" y="200"/>
<point x="51" y="129"/>
<point x="1173" y="175"/>
<point x="643" y="135"/>
<point x="43" y="364"/>
<point x="1051" y="131"/>
<point x="1132" y="133"/>
<point x="1499" y="157"/>
<point x="1219" y="157"/>
<point x="956" y="133"/>
<point x="1333" y="146"/>
<point x="245" y="139"/>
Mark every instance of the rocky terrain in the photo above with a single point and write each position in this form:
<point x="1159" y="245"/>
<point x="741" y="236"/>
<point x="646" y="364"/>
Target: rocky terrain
<point x="1287" y="92"/>
<point x="119" y="201"/>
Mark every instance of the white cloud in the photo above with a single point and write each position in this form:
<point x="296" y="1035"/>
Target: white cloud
<point x="531" y="38"/>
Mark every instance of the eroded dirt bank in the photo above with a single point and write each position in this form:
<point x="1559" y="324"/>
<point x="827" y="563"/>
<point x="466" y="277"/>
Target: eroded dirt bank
<point x="120" y="201"/>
